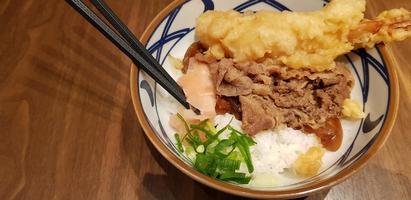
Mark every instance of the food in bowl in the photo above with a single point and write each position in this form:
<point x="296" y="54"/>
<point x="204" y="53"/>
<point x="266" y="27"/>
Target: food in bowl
<point x="299" y="39"/>
<point x="266" y="81"/>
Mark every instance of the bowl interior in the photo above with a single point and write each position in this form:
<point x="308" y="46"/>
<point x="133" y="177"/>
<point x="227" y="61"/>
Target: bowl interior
<point x="375" y="86"/>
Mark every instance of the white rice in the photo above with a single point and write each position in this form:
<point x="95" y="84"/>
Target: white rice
<point x="275" y="151"/>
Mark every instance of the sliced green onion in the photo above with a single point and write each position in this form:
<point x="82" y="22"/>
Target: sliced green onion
<point x="225" y="145"/>
<point x="215" y="137"/>
<point x="200" y="149"/>
<point x="179" y="144"/>
<point x="217" y="158"/>
<point x="231" y="175"/>
<point x="234" y="155"/>
<point x="250" y="140"/>
<point x="184" y="121"/>
<point x="228" y="165"/>
<point x="200" y="128"/>
<point x="244" y="148"/>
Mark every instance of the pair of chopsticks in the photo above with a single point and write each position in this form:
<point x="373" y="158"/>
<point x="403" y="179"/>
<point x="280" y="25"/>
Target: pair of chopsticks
<point x="129" y="45"/>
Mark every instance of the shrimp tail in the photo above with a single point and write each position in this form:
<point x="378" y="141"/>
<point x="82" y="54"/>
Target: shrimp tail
<point x="390" y="25"/>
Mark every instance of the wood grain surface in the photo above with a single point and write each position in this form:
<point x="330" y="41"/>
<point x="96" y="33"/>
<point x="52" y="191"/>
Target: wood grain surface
<point x="68" y="128"/>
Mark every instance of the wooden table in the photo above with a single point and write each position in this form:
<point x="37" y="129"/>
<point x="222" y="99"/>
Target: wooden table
<point x="68" y="127"/>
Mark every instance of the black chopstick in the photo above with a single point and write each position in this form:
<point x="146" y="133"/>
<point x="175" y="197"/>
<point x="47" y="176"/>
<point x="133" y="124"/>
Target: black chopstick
<point x="158" y="76"/>
<point x="130" y="38"/>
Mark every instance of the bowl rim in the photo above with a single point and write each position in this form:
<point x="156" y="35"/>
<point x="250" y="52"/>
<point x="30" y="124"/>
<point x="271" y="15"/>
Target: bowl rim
<point x="248" y="192"/>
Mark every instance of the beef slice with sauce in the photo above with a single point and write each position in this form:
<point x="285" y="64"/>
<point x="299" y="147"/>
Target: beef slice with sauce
<point x="272" y="95"/>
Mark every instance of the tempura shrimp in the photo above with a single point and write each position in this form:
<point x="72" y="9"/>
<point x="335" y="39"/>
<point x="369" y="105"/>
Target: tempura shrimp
<point x="391" y="25"/>
<point x="310" y="40"/>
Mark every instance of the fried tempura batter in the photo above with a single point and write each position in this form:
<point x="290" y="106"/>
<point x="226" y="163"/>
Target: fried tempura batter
<point x="299" y="39"/>
<point x="390" y="25"/>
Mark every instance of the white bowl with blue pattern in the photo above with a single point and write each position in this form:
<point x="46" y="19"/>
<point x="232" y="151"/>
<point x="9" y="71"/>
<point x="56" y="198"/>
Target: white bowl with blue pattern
<point x="171" y="33"/>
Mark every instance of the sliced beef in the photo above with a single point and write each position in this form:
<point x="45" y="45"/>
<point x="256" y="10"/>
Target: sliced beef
<point x="266" y="95"/>
<point x="228" y="105"/>
<point x="205" y="59"/>
<point x="261" y="89"/>
<point x="230" y="81"/>
<point x="264" y="79"/>
<point x="194" y="49"/>
<point x="255" y="115"/>
<point x="251" y="68"/>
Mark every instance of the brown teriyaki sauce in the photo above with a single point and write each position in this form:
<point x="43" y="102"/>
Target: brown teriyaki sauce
<point x="330" y="134"/>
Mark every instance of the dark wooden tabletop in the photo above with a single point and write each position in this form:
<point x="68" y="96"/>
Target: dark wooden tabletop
<point x="68" y="128"/>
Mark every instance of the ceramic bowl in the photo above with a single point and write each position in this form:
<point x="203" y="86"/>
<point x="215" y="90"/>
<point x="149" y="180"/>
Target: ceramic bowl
<point x="172" y="31"/>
